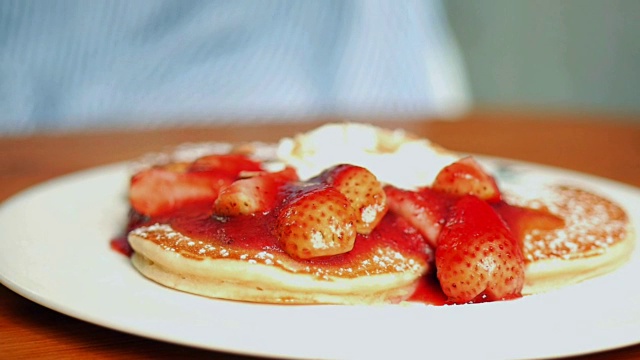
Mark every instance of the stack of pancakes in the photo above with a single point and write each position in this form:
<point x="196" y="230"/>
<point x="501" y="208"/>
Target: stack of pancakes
<point x="596" y="238"/>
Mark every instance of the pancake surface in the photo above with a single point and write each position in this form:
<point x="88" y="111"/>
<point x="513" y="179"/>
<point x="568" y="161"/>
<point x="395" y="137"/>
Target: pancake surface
<point x="382" y="268"/>
<point x="596" y="238"/>
<point x="240" y="258"/>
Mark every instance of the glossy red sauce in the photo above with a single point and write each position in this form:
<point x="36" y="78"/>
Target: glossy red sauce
<point x="121" y="245"/>
<point x="256" y="233"/>
<point x="429" y="291"/>
<point x="243" y="236"/>
<point x="523" y="220"/>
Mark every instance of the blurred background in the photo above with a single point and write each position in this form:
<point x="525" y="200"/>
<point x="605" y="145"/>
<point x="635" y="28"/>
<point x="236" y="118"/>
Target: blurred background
<point x="71" y="64"/>
<point x="553" y="54"/>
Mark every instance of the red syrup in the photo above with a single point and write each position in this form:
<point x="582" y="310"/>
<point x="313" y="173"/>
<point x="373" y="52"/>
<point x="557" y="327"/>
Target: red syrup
<point x="121" y="245"/>
<point x="255" y="232"/>
<point x="429" y="291"/>
<point x="521" y="220"/>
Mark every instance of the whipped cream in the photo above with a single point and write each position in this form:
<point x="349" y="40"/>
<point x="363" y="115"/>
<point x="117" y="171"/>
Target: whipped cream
<point x="394" y="156"/>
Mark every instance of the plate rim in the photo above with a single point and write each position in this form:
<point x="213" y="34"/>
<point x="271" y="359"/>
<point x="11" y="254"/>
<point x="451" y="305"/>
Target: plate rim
<point x="124" y="167"/>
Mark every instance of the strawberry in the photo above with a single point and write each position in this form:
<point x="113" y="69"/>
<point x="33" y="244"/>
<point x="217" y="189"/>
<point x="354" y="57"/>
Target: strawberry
<point x="466" y="177"/>
<point x="162" y="189"/>
<point x="362" y="189"/>
<point x="477" y="256"/>
<point x="256" y="194"/>
<point x="425" y="209"/>
<point x="232" y="164"/>
<point x="159" y="190"/>
<point x="316" y="221"/>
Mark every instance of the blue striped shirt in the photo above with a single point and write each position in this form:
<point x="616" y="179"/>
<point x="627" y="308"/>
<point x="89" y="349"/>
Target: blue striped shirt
<point x="68" y="64"/>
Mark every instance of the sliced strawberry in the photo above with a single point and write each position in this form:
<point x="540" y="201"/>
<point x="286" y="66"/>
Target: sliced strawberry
<point x="362" y="189"/>
<point x="477" y="256"/>
<point x="160" y="190"/>
<point x="232" y="164"/>
<point x="426" y="209"/>
<point x="316" y="221"/>
<point x="256" y="194"/>
<point x="466" y="177"/>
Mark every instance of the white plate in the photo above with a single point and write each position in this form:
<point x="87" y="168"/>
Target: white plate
<point x="54" y="250"/>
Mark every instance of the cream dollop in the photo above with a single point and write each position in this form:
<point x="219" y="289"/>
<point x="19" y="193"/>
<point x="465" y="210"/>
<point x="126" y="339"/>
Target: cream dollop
<point x="394" y="156"/>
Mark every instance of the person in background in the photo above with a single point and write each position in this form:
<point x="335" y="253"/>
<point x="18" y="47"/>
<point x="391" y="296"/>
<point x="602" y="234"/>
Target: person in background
<point x="75" y="64"/>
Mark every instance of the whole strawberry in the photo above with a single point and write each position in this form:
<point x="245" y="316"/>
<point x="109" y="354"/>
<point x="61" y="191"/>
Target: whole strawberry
<point x="316" y="221"/>
<point x="362" y="189"/>
<point x="477" y="257"/>
<point x="467" y="177"/>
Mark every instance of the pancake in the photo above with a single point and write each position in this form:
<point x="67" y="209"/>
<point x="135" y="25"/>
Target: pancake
<point x="382" y="268"/>
<point x="596" y="238"/>
<point x="241" y="258"/>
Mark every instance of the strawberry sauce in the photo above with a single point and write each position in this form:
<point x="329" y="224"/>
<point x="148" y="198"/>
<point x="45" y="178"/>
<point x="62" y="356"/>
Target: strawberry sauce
<point x="345" y="224"/>
<point x="429" y="291"/>
<point x="393" y="247"/>
<point x="243" y="237"/>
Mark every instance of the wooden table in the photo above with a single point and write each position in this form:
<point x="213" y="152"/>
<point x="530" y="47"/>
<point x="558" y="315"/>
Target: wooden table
<point x="596" y="144"/>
